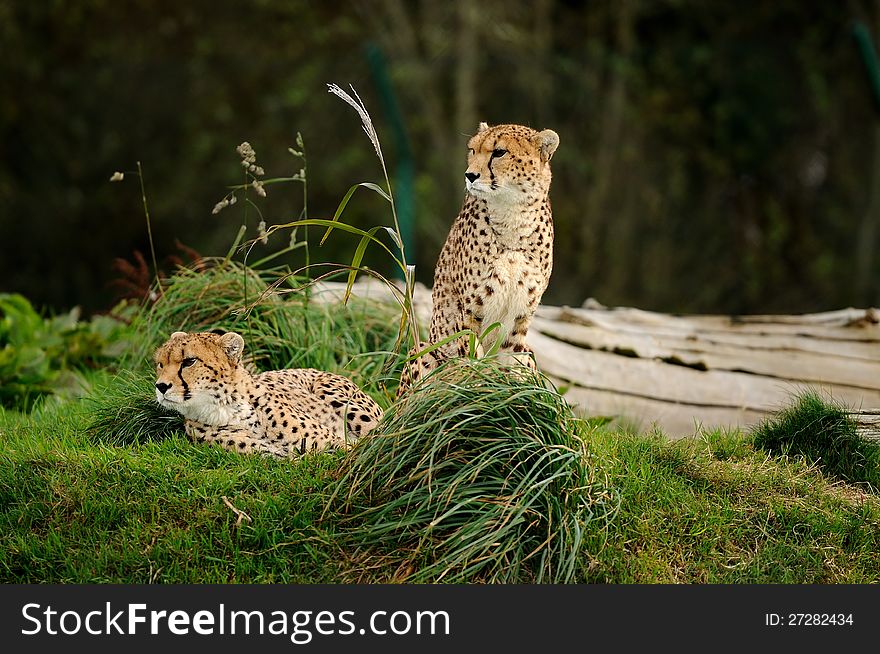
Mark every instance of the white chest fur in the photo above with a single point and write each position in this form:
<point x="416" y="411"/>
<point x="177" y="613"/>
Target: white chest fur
<point x="512" y="276"/>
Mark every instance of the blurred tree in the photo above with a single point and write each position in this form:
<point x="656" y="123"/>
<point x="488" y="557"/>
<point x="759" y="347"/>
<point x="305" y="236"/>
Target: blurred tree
<point x="712" y="159"/>
<point x="867" y="282"/>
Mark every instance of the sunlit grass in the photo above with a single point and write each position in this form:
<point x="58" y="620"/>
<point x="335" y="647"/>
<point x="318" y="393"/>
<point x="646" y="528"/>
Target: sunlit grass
<point x="718" y="510"/>
<point x="73" y="510"/>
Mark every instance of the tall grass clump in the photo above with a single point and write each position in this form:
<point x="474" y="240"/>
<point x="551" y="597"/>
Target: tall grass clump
<point x="196" y="299"/>
<point x="824" y="433"/>
<point x="124" y="411"/>
<point x="281" y="325"/>
<point x="479" y="474"/>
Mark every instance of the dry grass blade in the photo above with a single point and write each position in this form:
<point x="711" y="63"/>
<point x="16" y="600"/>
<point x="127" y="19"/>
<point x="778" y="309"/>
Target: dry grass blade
<point x="358" y="106"/>
<point x="239" y="514"/>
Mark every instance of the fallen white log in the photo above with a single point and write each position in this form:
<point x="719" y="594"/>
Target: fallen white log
<point x="681" y="372"/>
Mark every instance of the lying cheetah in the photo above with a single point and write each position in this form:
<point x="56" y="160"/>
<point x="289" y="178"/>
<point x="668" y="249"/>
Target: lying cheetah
<point x="497" y="259"/>
<point x="281" y="413"/>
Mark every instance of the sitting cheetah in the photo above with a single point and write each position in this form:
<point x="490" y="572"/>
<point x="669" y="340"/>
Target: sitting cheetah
<point x="497" y="259"/>
<point x="282" y="412"/>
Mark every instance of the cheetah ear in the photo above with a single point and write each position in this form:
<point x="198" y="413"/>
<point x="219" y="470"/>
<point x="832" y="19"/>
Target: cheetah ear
<point x="176" y="334"/>
<point x="233" y="344"/>
<point x="482" y="127"/>
<point x="546" y="142"/>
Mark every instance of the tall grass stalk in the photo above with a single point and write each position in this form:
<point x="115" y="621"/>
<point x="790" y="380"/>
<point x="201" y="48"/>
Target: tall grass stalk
<point x="140" y="174"/>
<point x="403" y="297"/>
<point x="304" y="179"/>
<point x="370" y="130"/>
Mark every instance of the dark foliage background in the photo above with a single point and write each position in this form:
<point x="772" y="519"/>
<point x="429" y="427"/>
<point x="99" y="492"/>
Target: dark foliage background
<point x="714" y="157"/>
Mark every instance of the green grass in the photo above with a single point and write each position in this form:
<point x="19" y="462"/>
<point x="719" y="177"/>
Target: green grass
<point x="712" y="510"/>
<point x="123" y="410"/>
<point x="77" y="511"/>
<point x="479" y="476"/>
<point x="823" y="432"/>
<point x="719" y="510"/>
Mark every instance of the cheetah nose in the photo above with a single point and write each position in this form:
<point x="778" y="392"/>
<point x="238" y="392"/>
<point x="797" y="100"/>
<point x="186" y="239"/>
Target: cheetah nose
<point x="162" y="387"/>
<point x="472" y="177"/>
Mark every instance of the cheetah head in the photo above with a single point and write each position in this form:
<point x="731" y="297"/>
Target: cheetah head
<point x="196" y="372"/>
<point x="509" y="163"/>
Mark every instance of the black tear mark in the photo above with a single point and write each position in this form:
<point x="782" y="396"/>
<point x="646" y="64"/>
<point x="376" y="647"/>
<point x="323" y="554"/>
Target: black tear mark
<point x="186" y="393"/>
<point x="491" y="172"/>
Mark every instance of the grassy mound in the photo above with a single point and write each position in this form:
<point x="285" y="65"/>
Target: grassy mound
<point x="480" y="474"/>
<point x="825" y="434"/>
<point x="708" y="510"/>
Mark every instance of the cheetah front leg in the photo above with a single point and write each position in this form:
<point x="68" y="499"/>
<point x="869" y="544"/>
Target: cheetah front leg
<point x="514" y="348"/>
<point x="419" y="367"/>
<point x="446" y="320"/>
<point x="237" y="439"/>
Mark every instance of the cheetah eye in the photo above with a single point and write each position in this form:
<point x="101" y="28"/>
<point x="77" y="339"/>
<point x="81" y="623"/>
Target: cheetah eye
<point x="159" y="366"/>
<point x="186" y="363"/>
<point x="470" y="150"/>
<point x="499" y="152"/>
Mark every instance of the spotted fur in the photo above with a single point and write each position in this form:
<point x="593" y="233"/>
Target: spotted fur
<point x="498" y="256"/>
<point x="281" y="413"/>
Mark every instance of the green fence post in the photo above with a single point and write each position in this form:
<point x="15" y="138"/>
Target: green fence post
<point x="869" y="56"/>
<point x="404" y="170"/>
